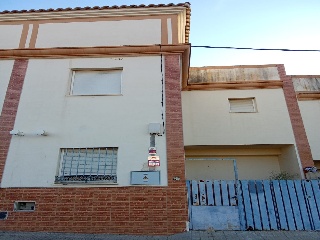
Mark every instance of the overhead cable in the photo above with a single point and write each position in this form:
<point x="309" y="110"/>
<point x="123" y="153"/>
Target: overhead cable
<point x="262" y="49"/>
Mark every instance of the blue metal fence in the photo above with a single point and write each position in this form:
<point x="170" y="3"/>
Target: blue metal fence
<point x="260" y="204"/>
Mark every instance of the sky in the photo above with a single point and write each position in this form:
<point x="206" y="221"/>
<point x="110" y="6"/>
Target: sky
<point x="289" y="24"/>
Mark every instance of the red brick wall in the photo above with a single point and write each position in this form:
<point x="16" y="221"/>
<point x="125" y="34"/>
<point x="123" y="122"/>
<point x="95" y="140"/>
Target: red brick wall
<point x="126" y="210"/>
<point x="10" y="108"/>
<point x="299" y="131"/>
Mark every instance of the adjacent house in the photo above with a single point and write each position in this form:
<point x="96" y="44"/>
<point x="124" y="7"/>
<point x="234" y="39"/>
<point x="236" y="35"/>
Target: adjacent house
<point x="249" y="117"/>
<point x="307" y="88"/>
<point x="91" y="122"/>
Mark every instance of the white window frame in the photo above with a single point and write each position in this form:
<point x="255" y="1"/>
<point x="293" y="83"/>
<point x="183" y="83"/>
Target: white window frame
<point x="253" y="101"/>
<point x="75" y="163"/>
<point x="73" y="77"/>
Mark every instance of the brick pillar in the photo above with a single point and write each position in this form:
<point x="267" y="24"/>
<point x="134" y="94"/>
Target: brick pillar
<point x="299" y="131"/>
<point x="177" y="205"/>
<point x="10" y="108"/>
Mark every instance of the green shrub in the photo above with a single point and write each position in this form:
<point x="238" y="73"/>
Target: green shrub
<point x="283" y="175"/>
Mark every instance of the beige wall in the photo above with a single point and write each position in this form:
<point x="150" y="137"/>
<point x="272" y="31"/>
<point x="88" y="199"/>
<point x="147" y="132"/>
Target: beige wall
<point x="289" y="161"/>
<point x="232" y="74"/>
<point x="103" y="33"/>
<point x="207" y="121"/>
<point x="310" y="112"/>
<point x="5" y="73"/>
<point x="10" y="36"/>
<point x="252" y="163"/>
<point x="85" y="121"/>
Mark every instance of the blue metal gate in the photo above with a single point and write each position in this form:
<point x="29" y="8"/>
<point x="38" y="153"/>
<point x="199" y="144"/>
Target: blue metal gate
<point x="213" y="204"/>
<point x="254" y="205"/>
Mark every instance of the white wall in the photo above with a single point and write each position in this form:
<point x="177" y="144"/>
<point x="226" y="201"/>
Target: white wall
<point x="310" y="112"/>
<point x="207" y="121"/>
<point x="10" y="36"/>
<point x="104" y="33"/>
<point x="5" y="74"/>
<point x="84" y="121"/>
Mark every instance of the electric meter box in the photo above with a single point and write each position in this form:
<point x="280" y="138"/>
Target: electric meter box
<point x="145" y="178"/>
<point x="154" y="128"/>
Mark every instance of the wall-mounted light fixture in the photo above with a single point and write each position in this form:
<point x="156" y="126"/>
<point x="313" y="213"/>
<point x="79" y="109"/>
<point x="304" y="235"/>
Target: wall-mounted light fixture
<point x="42" y="133"/>
<point x="16" y="133"/>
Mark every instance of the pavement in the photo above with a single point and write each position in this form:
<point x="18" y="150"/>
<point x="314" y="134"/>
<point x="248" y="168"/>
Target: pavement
<point x="192" y="235"/>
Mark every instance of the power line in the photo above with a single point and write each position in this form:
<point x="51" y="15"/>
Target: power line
<point x="262" y="49"/>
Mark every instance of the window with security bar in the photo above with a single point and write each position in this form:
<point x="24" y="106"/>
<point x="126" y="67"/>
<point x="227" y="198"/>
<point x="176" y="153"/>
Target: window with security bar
<point x="88" y="165"/>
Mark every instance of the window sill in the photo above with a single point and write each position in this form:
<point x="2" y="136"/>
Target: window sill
<point x="79" y="184"/>
<point x="94" y="95"/>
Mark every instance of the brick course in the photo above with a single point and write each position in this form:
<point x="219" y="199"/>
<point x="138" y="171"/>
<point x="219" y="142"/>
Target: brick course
<point x="299" y="131"/>
<point x="118" y="210"/>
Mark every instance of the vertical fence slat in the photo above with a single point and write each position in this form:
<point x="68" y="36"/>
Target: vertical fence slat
<point x="247" y="205"/>
<point x="270" y="205"/>
<point x="203" y="194"/>
<point x="224" y="193"/>
<point x="303" y="205"/>
<point x="287" y="205"/>
<point x="255" y="205"/>
<point x="209" y="192"/>
<point x="241" y="205"/>
<point x="189" y="203"/>
<point x="295" y="205"/>
<point x="263" y="206"/>
<point x="315" y="186"/>
<point x="195" y="193"/>
<point x="279" y="205"/>
<point x="232" y="193"/>
<point x="312" y="204"/>
<point x="217" y="195"/>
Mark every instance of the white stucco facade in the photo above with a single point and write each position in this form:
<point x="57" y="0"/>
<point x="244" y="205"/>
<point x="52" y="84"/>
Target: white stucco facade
<point x="10" y="36"/>
<point x="99" y="33"/>
<point x="5" y="73"/>
<point x="85" y="121"/>
<point x="207" y="120"/>
<point x="310" y="112"/>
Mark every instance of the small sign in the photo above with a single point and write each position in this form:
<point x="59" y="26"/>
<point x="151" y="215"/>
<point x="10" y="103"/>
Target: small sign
<point x="152" y="150"/>
<point x="154" y="158"/>
<point x="153" y="163"/>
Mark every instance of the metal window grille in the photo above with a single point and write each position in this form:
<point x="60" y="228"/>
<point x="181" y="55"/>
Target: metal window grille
<point x="88" y="165"/>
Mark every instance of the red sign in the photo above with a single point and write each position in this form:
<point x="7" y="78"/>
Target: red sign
<point x="153" y="163"/>
<point x="152" y="150"/>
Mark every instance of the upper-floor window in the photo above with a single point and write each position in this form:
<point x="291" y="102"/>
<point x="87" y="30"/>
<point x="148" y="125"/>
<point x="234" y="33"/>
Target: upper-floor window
<point x="96" y="82"/>
<point x="242" y="105"/>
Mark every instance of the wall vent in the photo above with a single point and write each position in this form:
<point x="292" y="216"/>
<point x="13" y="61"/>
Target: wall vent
<point x="24" y="206"/>
<point x="3" y="215"/>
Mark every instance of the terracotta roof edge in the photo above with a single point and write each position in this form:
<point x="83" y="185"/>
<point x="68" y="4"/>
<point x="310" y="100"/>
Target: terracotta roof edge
<point x="186" y="5"/>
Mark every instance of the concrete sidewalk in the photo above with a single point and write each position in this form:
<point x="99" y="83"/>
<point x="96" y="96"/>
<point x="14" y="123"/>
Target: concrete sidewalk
<point x="192" y="235"/>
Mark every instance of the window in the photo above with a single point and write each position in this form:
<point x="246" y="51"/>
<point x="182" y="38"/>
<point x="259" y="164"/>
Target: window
<point x="242" y="105"/>
<point x="83" y="165"/>
<point x="96" y="82"/>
